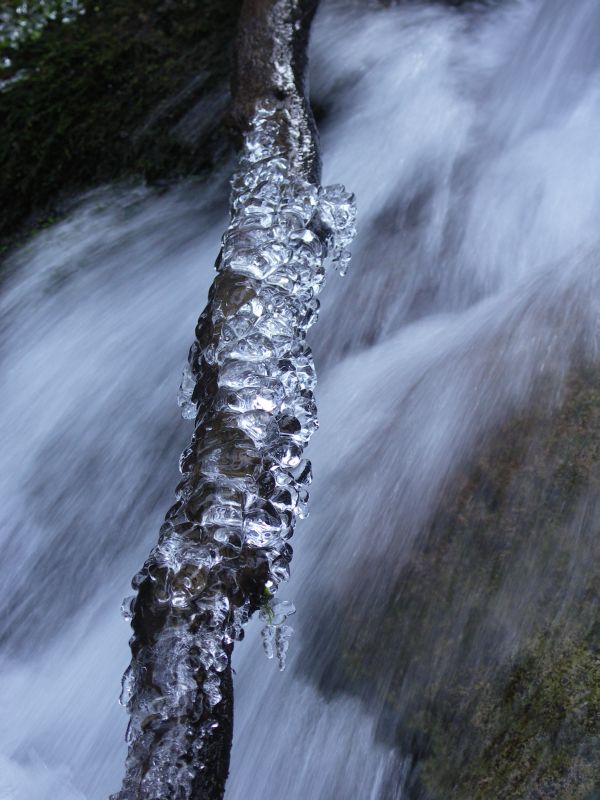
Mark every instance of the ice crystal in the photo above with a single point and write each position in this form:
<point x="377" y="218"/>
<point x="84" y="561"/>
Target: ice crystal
<point x="224" y="544"/>
<point x="275" y="634"/>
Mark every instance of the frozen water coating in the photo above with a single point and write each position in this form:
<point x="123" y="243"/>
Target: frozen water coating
<point x="275" y="634"/>
<point x="224" y="546"/>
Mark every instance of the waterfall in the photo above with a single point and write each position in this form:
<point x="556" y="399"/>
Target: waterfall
<point x="470" y="139"/>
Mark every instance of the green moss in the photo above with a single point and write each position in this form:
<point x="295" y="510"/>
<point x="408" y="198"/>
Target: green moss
<point x="532" y="735"/>
<point x="106" y="96"/>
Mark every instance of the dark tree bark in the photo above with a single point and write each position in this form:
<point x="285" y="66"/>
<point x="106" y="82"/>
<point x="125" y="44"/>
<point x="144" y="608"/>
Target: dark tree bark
<point x="270" y="65"/>
<point x="210" y="783"/>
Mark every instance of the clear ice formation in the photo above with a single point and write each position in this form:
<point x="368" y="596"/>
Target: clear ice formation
<point x="224" y="546"/>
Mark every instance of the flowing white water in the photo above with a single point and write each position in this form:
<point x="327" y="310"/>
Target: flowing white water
<point x="96" y="327"/>
<point x="471" y="141"/>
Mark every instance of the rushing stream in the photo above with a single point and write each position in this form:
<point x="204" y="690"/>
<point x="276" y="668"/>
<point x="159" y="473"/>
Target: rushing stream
<point x="471" y="141"/>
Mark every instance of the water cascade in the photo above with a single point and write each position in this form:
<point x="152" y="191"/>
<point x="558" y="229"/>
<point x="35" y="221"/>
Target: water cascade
<point x="446" y="579"/>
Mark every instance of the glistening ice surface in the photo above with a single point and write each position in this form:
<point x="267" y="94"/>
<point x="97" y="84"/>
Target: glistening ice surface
<point x="470" y="140"/>
<point x="223" y="549"/>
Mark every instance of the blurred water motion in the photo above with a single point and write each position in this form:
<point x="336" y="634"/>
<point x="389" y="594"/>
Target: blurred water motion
<point x="470" y="140"/>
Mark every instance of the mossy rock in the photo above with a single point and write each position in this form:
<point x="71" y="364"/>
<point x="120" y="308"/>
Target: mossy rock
<point x="126" y="89"/>
<point x="485" y="664"/>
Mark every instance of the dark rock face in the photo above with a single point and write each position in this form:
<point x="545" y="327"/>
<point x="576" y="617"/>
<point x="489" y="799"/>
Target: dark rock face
<point x="123" y="90"/>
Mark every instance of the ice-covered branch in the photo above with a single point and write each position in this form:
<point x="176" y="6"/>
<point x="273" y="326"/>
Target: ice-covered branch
<point x="224" y="547"/>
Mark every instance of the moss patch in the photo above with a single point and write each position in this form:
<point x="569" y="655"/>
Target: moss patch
<point x="124" y="89"/>
<point x="486" y="662"/>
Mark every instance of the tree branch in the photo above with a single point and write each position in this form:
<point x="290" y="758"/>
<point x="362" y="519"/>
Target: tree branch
<point x="223" y="549"/>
